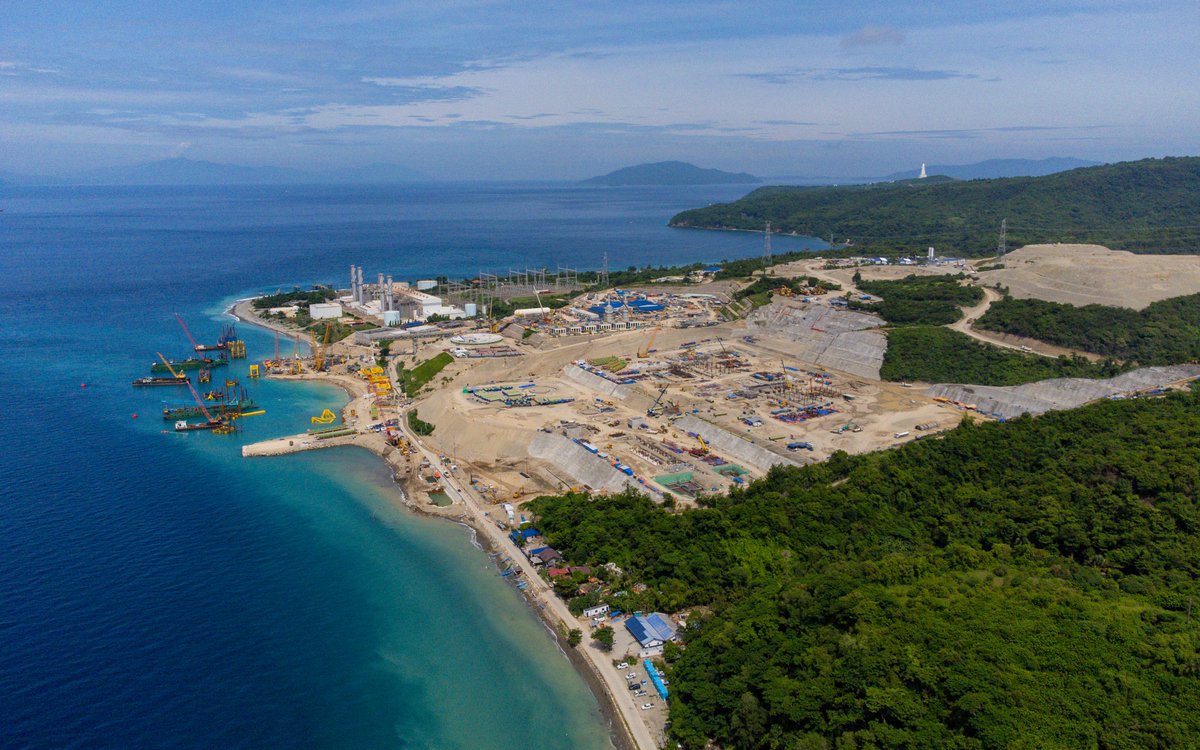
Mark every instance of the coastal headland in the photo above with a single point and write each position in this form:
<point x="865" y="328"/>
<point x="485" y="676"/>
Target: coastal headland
<point x="675" y="390"/>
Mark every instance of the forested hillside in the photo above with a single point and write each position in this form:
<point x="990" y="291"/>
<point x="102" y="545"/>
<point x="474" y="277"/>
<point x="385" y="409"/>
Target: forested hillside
<point x="932" y="354"/>
<point x="1165" y="333"/>
<point x="1148" y="206"/>
<point x="1019" y="585"/>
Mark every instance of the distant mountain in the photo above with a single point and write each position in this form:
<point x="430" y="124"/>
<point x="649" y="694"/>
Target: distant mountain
<point x="181" y="171"/>
<point x="672" y="173"/>
<point x="999" y="168"/>
<point x="1142" y="206"/>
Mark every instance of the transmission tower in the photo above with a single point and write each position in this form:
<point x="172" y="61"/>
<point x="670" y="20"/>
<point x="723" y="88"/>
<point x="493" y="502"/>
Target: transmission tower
<point x="604" y="272"/>
<point x="1002" y="247"/>
<point x="767" y="249"/>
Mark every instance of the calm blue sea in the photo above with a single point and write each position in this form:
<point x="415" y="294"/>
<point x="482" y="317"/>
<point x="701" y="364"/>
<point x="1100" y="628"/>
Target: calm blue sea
<point x="157" y="590"/>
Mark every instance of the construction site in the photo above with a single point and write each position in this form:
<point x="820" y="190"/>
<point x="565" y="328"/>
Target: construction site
<point x="674" y="390"/>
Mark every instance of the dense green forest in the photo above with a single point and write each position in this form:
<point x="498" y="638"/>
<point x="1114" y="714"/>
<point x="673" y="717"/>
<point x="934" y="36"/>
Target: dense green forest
<point x="1165" y="333"/>
<point x="296" y="296"/>
<point x="1146" y="206"/>
<point x="933" y="354"/>
<point x="931" y="300"/>
<point x="1019" y="585"/>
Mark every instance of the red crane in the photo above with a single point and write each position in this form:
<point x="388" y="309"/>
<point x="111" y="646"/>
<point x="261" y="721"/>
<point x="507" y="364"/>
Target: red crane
<point x="195" y="346"/>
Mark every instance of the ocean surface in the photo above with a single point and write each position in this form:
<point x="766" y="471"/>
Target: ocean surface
<point x="158" y="590"/>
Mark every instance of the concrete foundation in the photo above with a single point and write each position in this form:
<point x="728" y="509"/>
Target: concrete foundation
<point x="837" y="339"/>
<point x="597" y="383"/>
<point x="576" y="462"/>
<point x="730" y="445"/>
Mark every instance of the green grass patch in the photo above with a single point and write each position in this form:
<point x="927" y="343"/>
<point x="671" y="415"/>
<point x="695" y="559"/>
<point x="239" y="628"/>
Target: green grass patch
<point x="418" y="425"/>
<point x="412" y="381"/>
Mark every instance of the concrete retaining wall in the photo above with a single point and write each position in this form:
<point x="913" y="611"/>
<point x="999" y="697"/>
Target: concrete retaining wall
<point x="837" y="339"/>
<point x="728" y="444"/>
<point x="575" y="461"/>
<point x="596" y="383"/>
<point x="1060" y="393"/>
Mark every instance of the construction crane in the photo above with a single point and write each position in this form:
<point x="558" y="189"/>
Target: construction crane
<point x="645" y="351"/>
<point x="195" y="347"/>
<point x="176" y="375"/>
<point x="316" y="350"/>
<point x="653" y="411"/>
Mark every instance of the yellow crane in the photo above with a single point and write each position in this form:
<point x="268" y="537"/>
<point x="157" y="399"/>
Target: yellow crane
<point x="320" y="351"/>
<point x="645" y="351"/>
<point x="169" y="368"/>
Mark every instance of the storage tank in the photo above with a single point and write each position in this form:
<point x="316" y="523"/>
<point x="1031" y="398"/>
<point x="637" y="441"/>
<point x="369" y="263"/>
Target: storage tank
<point x="391" y="317"/>
<point x="425" y="284"/>
<point x="470" y="309"/>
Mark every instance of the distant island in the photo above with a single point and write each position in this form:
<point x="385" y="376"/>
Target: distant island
<point x="672" y="173"/>
<point x="1142" y="206"/>
<point x="183" y="171"/>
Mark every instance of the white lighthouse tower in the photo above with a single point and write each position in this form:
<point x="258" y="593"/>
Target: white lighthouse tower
<point x="922" y="175"/>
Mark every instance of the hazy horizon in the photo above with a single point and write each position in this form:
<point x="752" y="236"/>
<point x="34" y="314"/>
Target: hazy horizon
<point x="501" y="91"/>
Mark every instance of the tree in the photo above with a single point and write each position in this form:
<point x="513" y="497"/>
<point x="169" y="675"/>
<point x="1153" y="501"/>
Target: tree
<point x="575" y="637"/>
<point x="604" y="636"/>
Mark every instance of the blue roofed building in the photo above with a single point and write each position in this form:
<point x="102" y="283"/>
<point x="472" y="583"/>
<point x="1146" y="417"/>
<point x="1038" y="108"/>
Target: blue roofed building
<point x="651" y="631"/>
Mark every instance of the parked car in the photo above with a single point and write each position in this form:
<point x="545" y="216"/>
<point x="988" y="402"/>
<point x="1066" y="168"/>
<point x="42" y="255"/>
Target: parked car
<point x="631" y="675"/>
<point x="647" y="706"/>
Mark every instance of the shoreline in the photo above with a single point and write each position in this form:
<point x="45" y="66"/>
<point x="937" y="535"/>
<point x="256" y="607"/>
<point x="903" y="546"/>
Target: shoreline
<point x="485" y="534"/>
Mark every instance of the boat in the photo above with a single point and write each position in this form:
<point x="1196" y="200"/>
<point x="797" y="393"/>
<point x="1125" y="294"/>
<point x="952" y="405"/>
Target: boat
<point x="191" y="363"/>
<point x="172" y="380"/>
<point x="244" y="406"/>
<point x="185" y="426"/>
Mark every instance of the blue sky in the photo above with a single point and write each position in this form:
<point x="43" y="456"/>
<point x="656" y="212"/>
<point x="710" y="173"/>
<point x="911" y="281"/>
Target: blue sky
<point x="489" y="90"/>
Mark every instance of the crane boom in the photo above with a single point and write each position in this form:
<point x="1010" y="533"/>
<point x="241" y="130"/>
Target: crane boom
<point x="645" y="351"/>
<point x="195" y="347"/>
<point x="200" y="402"/>
<point x="169" y="368"/>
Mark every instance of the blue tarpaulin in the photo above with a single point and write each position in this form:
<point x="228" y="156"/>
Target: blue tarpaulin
<point x="656" y="678"/>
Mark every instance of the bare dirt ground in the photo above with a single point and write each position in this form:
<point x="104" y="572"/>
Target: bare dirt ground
<point x="1091" y="274"/>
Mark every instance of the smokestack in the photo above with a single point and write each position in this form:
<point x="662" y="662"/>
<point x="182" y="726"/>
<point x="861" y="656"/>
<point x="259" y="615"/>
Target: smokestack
<point x="388" y="296"/>
<point x="381" y="292"/>
<point x="353" y="291"/>
<point x="362" y="297"/>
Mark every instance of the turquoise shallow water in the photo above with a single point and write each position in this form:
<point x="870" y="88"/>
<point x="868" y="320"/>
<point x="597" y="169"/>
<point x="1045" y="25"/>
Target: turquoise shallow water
<point x="156" y="589"/>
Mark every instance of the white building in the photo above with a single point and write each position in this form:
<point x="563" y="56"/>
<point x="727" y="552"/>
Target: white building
<point x="599" y="609"/>
<point x="324" y="310"/>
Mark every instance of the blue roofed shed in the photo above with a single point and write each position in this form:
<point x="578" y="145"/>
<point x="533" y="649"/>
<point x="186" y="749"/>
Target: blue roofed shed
<point x="651" y="631"/>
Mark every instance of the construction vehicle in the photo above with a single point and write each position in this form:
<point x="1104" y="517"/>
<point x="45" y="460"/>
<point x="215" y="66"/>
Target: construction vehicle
<point x="654" y="411"/>
<point x="703" y="450"/>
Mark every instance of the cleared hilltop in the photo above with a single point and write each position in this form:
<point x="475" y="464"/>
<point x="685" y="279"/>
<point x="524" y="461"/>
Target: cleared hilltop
<point x="1145" y="206"/>
<point x="671" y="173"/>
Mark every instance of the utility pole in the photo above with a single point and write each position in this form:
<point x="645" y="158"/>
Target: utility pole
<point x="1002" y="247"/>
